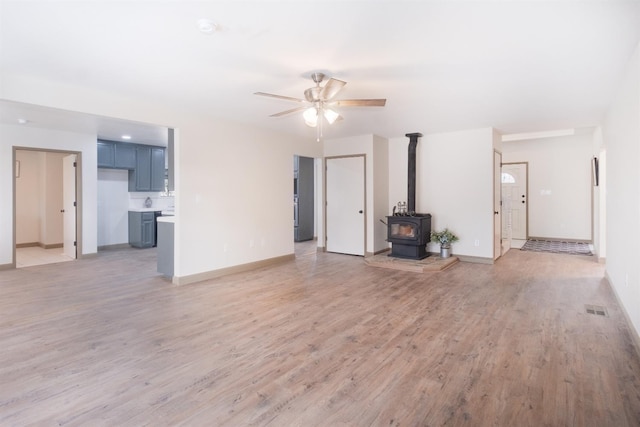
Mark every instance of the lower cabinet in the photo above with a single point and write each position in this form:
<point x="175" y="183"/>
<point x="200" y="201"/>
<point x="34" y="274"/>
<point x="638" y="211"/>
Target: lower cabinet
<point x="142" y="229"/>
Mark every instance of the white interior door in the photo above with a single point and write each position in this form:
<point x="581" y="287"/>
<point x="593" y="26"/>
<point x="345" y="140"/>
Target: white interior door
<point x="514" y="196"/>
<point x="345" y="205"/>
<point x="69" y="205"/>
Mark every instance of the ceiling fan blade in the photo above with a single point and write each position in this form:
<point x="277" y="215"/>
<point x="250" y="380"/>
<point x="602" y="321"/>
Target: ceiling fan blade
<point x="331" y="89"/>
<point x="286" y="98"/>
<point x="293" y="110"/>
<point x="360" y="103"/>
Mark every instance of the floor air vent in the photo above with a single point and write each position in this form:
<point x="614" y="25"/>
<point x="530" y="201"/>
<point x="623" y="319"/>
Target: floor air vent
<point x="598" y="310"/>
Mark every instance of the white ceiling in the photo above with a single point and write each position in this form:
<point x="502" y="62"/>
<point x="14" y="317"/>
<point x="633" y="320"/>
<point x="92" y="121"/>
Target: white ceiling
<point x="519" y="66"/>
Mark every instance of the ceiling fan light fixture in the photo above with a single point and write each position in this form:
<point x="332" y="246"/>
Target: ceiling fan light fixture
<point x="311" y="117"/>
<point x="317" y="100"/>
<point x="330" y="115"/>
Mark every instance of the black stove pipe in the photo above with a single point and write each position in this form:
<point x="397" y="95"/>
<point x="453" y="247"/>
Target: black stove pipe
<point x="411" y="178"/>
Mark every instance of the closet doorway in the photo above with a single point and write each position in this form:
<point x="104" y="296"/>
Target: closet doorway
<point x="45" y="208"/>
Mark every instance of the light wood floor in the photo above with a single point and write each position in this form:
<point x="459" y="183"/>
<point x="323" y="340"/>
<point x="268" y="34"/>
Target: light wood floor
<point x="35" y="255"/>
<point x="324" y="340"/>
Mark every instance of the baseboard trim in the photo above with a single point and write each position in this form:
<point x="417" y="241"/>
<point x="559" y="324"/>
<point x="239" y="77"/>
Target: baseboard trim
<point x="87" y="256"/>
<point x="635" y="338"/>
<point x="52" y="246"/>
<point x="7" y="267"/>
<point x="213" y="274"/>
<point x="39" y="245"/>
<point x="27" y="245"/>
<point x="115" y="246"/>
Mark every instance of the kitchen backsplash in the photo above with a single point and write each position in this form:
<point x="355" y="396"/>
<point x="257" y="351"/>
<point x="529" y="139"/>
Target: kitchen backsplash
<point x="137" y="199"/>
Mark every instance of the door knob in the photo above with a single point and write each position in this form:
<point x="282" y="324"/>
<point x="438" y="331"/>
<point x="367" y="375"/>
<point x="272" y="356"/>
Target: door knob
<point x="62" y="210"/>
<point x="495" y="212"/>
<point x="523" y="201"/>
<point x="360" y="211"/>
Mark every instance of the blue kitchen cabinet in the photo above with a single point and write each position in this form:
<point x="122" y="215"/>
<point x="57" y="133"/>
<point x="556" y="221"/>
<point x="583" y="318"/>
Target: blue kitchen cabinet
<point x="106" y="154"/>
<point x="142" y="229"/>
<point x="148" y="174"/>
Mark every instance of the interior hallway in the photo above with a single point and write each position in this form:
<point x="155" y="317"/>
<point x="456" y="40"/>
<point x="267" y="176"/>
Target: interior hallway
<point x="321" y="340"/>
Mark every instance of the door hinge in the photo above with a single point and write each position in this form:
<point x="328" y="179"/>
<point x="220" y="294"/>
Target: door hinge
<point x="75" y="243"/>
<point x="75" y="165"/>
<point x="74" y="204"/>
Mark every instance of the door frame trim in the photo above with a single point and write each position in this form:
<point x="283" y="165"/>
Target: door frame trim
<point x="79" y="204"/>
<point x="499" y="211"/>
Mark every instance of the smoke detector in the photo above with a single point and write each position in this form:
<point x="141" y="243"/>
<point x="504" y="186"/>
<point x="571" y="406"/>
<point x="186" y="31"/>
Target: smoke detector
<point x="207" y="26"/>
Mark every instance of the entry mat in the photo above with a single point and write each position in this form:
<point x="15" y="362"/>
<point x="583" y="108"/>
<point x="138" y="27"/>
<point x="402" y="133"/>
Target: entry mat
<point x="571" y="248"/>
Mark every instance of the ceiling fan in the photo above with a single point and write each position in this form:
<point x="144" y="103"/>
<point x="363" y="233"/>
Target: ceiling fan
<point x="319" y="102"/>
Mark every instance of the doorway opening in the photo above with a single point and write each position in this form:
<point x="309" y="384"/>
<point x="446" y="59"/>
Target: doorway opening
<point x="515" y="202"/>
<point x="45" y="206"/>
<point x="304" y="205"/>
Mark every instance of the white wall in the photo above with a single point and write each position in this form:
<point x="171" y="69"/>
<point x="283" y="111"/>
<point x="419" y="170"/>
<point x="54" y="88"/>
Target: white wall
<point x="600" y="197"/>
<point x="621" y="135"/>
<point x="28" y="196"/>
<point x="31" y="137"/>
<point x="113" y="207"/>
<point x="381" y="205"/>
<point x="454" y="184"/>
<point x="559" y="181"/>
<point x="233" y="182"/>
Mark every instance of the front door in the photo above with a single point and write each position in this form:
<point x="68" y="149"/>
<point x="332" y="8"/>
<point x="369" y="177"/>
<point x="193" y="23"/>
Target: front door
<point x="345" y="231"/>
<point x="514" y="196"/>
<point x="69" y="205"/>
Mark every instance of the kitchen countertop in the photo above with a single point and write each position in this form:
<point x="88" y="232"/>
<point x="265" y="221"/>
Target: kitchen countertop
<point x="168" y="219"/>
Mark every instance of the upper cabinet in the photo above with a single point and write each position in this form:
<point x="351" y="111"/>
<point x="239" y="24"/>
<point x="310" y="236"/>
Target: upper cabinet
<point x="149" y="172"/>
<point x="116" y="155"/>
<point x="146" y="163"/>
<point x="106" y="153"/>
<point x="125" y="156"/>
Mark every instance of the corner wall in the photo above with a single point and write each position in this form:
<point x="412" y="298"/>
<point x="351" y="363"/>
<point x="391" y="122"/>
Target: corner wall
<point x="621" y="135"/>
<point x="559" y="183"/>
<point x="454" y="184"/>
<point x="31" y="137"/>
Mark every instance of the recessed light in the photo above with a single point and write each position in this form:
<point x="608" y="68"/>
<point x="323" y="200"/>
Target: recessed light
<point x="207" y="26"/>
<point x="23" y="121"/>
<point x="127" y="137"/>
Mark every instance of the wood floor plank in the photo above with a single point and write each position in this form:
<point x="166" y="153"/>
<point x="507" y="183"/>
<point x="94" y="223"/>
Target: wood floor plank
<point x="324" y="340"/>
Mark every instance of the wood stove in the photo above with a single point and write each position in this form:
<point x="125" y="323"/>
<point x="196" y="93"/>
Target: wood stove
<point x="409" y="235"/>
<point x="409" y="232"/>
